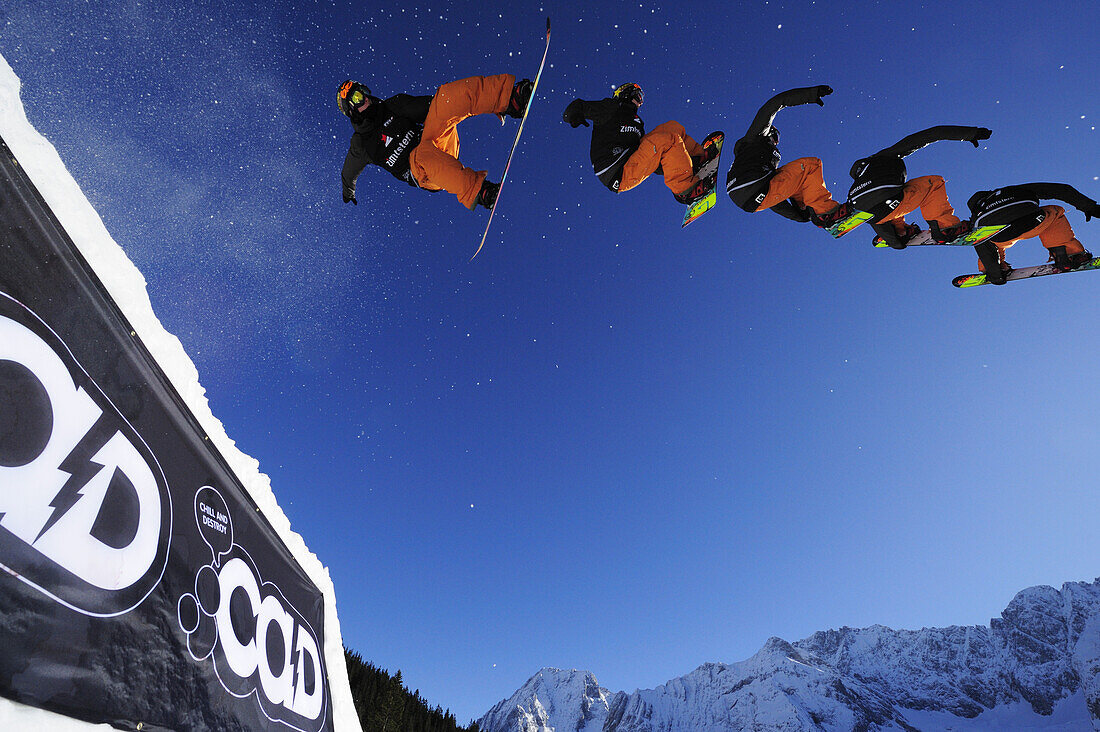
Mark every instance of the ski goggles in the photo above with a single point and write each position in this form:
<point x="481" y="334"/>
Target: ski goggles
<point x="630" y="92"/>
<point x="351" y="96"/>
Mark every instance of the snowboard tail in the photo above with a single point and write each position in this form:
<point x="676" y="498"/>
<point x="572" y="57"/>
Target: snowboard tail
<point x="845" y="225"/>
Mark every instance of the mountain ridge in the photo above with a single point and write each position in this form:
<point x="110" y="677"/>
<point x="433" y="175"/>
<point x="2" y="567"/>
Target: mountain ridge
<point x="1037" y="665"/>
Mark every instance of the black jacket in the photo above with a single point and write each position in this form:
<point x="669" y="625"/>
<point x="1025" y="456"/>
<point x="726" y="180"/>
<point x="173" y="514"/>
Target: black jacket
<point x="878" y="179"/>
<point x="616" y="133"/>
<point x="756" y="155"/>
<point x="1018" y="206"/>
<point x="388" y="133"/>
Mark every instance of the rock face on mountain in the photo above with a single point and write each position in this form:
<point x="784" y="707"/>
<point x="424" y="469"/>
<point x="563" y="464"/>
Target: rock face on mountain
<point x="1036" y="667"/>
<point x="573" y="700"/>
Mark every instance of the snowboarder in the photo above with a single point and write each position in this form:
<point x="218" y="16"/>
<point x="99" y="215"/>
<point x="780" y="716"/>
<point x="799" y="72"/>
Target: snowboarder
<point x="623" y="155"/>
<point x="880" y="188"/>
<point x="756" y="182"/>
<point x="415" y="138"/>
<point x="1018" y="208"/>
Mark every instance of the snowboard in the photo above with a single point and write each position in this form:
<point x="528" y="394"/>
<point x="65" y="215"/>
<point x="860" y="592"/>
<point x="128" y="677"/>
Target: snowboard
<point x="924" y="238"/>
<point x="854" y="219"/>
<point x="708" y="172"/>
<point x="515" y="142"/>
<point x="1023" y="273"/>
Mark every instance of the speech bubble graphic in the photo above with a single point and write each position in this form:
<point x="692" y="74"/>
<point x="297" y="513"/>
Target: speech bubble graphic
<point x="207" y="590"/>
<point x="200" y="628"/>
<point x="214" y="522"/>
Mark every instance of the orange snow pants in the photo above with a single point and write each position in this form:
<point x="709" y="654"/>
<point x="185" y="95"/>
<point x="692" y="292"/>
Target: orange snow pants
<point x="668" y="147"/>
<point x="801" y="180"/>
<point x="434" y="162"/>
<point x="929" y="195"/>
<point x="1054" y="231"/>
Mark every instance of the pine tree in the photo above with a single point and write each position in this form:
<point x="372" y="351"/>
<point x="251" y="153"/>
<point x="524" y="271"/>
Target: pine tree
<point x="383" y="704"/>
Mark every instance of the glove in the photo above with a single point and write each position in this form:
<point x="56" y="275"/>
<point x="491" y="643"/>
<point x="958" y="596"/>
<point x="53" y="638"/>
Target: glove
<point x="823" y="91"/>
<point x="983" y="133"/>
<point x="349" y="197"/>
<point x="1090" y="211"/>
<point x="575" y="121"/>
<point x="573" y="115"/>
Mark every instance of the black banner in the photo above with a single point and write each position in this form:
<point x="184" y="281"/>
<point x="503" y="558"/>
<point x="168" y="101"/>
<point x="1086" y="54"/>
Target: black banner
<point x="142" y="587"/>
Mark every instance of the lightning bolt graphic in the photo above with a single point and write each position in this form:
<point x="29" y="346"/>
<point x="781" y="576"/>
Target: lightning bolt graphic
<point x="79" y="465"/>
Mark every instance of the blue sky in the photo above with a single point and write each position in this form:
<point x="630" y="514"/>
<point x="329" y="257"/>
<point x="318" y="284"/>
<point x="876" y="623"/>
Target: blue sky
<point x="606" y="443"/>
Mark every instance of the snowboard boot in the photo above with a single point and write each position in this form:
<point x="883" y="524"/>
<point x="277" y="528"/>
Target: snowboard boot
<point x="698" y="161"/>
<point x="1080" y="259"/>
<point x="487" y="196"/>
<point x="1065" y="262"/>
<point x="791" y="209"/>
<point x="833" y="217"/>
<point x="893" y="239"/>
<point x="710" y="152"/>
<point x="995" y="268"/>
<point x="948" y="233"/>
<point x="521" y="97"/>
<point x="911" y="230"/>
<point x="698" y="190"/>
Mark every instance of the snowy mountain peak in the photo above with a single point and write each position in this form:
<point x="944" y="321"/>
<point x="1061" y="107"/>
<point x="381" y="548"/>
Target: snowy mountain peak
<point x="1036" y="666"/>
<point x="573" y="699"/>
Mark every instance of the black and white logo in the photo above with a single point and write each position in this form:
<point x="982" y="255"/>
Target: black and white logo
<point x="85" y="514"/>
<point x="257" y="641"/>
